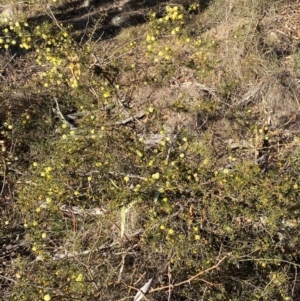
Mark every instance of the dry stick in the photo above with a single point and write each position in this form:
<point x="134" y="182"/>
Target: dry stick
<point x="89" y="272"/>
<point x="100" y="37"/>
<point x="297" y="100"/>
<point x="171" y="147"/>
<point x="180" y="283"/>
<point x="74" y="221"/>
<point x="140" y="278"/>
<point x="121" y="268"/>
<point x="132" y="287"/>
<point x="86" y="26"/>
<point x="61" y="116"/>
<point x="8" y="62"/>
<point x="209" y="283"/>
<point x="294" y="282"/>
<point x="128" y="175"/>
<point x="4" y="178"/>
<point x="51" y="15"/>
<point x="205" y="289"/>
<point x="9" y="279"/>
<point x="272" y="260"/>
<point x="170" y="286"/>
<point x="193" y="277"/>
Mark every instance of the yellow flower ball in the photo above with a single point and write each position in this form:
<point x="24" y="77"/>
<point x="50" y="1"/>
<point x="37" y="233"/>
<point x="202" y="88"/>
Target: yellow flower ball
<point x="79" y="278"/>
<point x="155" y="176"/>
<point x="47" y="297"/>
<point x="106" y="94"/>
<point x="18" y="276"/>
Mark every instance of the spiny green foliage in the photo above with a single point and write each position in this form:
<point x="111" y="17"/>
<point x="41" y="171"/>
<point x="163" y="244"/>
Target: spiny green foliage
<point x="186" y="211"/>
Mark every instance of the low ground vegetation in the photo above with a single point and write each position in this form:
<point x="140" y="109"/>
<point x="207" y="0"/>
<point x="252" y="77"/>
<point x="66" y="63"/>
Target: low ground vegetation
<point x="162" y="147"/>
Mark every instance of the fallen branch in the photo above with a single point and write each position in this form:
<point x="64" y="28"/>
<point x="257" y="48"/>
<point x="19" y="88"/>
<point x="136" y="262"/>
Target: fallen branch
<point x="193" y="277"/>
<point x="182" y="282"/>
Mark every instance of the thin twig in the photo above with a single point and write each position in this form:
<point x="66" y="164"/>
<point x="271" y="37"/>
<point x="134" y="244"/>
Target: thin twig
<point x="121" y="268"/>
<point x="86" y="26"/>
<point x="128" y="175"/>
<point x="170" y="286"/>
<point x="294" y="281"/>
<point x="4" y="178"/>
<point x="182" y="282"/>
<point x="171" y="146"/>
<point x="193" y="277"/>
<point x="8" y="62"/>
<point x="9" y="279"/>
<point x="134" y="288"/>
<point x="113" y="54"/>
<point x="205" y="289"/>
<point x="61" y="116"/>
<point x="51" y="15"/>
<point x="272" y="260"/>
